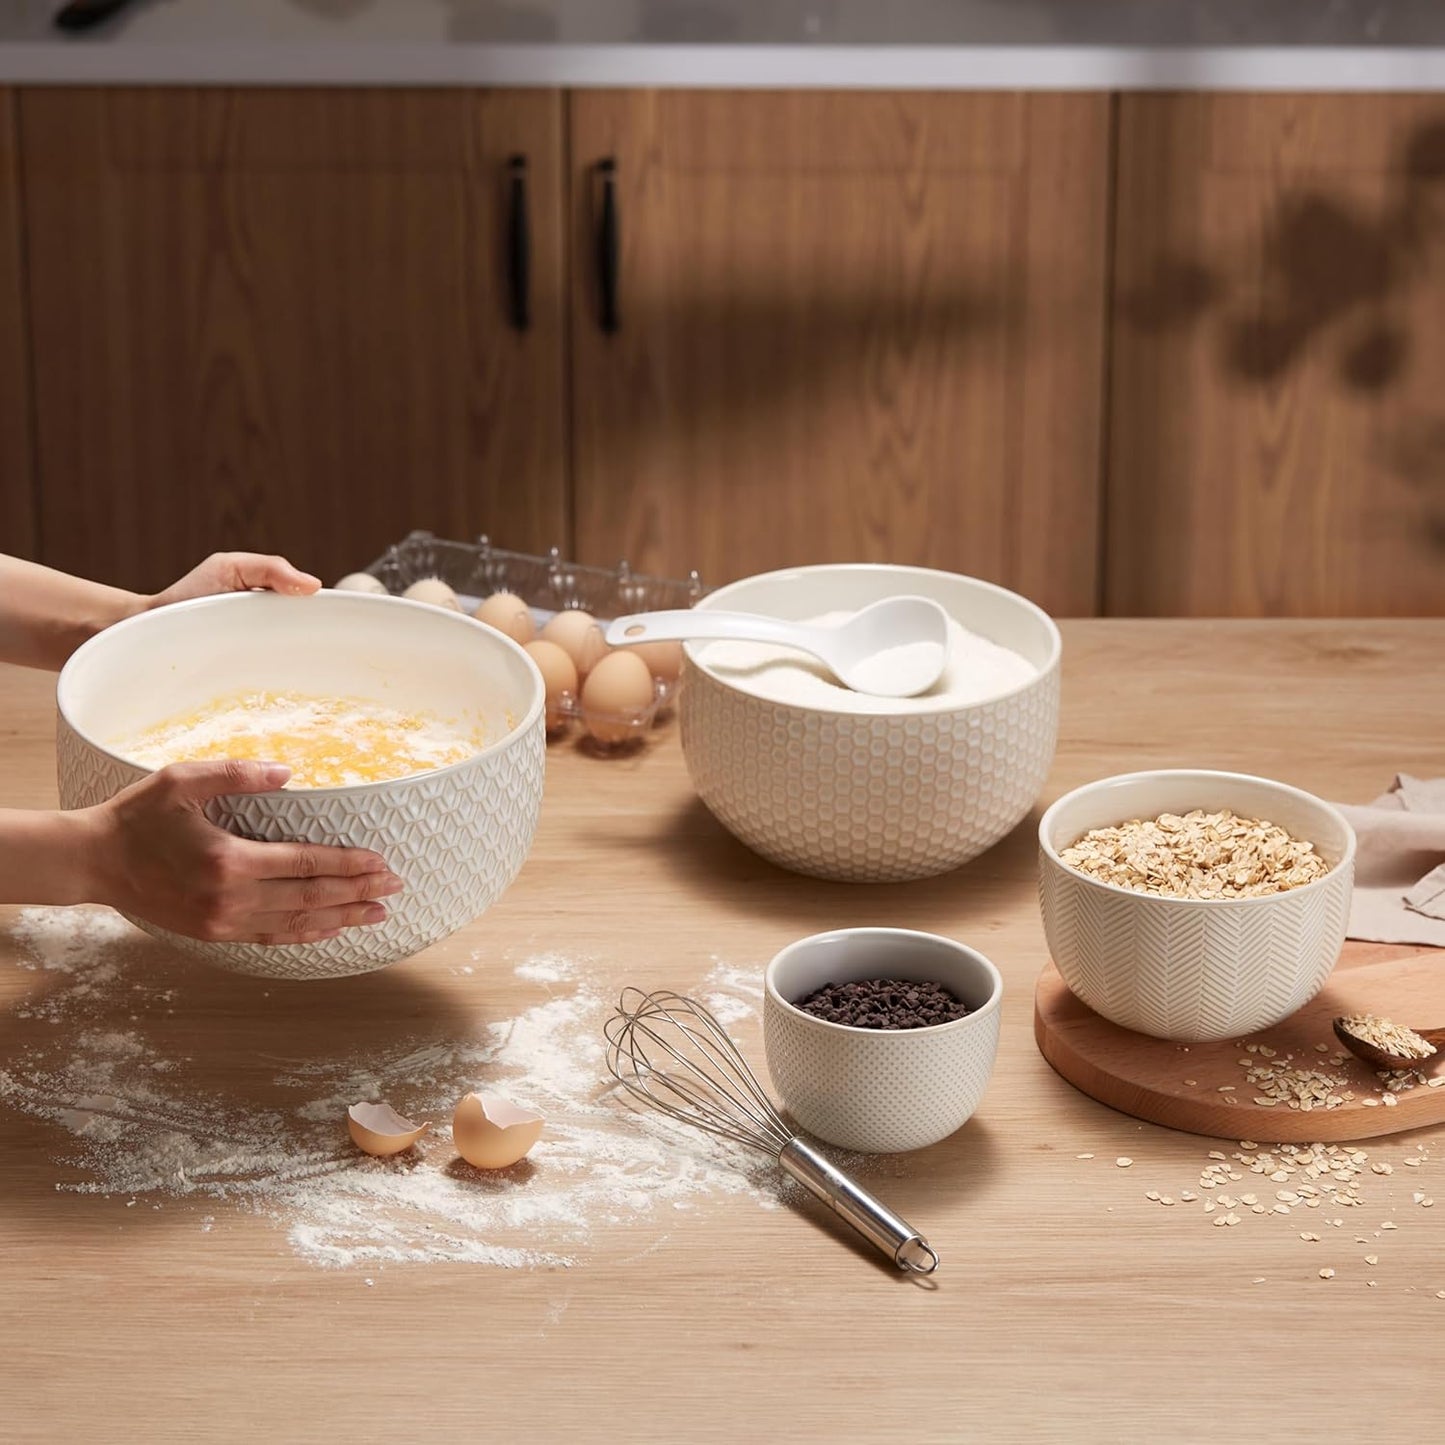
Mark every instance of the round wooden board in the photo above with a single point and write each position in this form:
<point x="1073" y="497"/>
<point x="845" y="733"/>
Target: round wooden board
<point x="1178" y="1085"/>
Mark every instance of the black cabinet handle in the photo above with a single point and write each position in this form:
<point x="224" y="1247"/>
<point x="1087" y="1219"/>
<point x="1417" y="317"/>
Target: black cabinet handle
<point x="519" y="247"/>
<point x="83" y="14"/>
<point x="609" y="248"/>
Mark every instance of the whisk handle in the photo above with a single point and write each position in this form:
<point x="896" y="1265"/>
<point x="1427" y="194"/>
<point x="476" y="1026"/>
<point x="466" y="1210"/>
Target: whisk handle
<point x="879" y="1225"/>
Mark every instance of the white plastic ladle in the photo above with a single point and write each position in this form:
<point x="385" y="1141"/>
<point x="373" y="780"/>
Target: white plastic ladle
<point x="893" y="648"/>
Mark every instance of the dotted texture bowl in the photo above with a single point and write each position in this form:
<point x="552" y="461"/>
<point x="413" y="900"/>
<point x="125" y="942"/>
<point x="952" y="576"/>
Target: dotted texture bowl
<point x="873" y="1090"/>
<point x="457" y="836"/>
<point x="873" y="798"/>
<point x="1193" y="969"/>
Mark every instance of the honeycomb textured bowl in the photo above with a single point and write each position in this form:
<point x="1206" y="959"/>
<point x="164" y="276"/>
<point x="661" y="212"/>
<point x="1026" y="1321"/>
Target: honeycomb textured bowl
<point x="457" y="836"/>
<point x="882" y="797"/>
<point x="873" y="1090"/>
<point x="1183" y="968"/>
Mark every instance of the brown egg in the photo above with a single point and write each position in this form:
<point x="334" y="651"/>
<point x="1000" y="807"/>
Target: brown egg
<point x="434" y="591"/>
<point x="663" y="659"/>
<point x="578" y="635"/>
<point x="509" y="615"/>
<point x="616" y="697"/>
<point x="493" y="1133"/>
<point x="559" y="677"/>
<point x="361" y="582"/>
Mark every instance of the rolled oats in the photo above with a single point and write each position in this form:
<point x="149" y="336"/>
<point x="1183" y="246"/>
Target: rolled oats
<point x="1197" y="855"/>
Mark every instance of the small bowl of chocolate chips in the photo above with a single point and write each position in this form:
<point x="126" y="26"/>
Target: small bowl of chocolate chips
<point x="880" y="1040"/>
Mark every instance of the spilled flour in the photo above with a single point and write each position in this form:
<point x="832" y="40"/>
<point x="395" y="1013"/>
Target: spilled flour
<point x="135" y="1128"/>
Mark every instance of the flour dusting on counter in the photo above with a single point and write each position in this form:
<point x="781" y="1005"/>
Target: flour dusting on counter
<point x="137" y="1128"/>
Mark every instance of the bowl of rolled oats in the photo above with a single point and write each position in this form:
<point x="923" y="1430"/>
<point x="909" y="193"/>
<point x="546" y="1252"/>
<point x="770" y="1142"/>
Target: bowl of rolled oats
<point x="1194" y="905"/>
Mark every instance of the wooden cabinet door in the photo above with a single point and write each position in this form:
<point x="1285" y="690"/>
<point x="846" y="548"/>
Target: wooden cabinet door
<point x="852" y="326"/>
<point x="279" y="319"/>
<point x="1277" y="431"/>
<point x="17" y="489"/>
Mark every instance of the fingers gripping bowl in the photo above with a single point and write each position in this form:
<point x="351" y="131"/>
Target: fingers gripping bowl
<point x="457" y="835"/>
<point x="872" y="794"/>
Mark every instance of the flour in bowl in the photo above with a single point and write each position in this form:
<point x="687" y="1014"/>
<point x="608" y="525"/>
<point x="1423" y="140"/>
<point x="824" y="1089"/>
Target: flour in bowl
<point x="327" y="742"/>
<point x="976" y="671"/>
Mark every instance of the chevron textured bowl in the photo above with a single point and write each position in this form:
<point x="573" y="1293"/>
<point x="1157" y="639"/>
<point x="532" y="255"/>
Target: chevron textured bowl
<point x="880" y="1091"/>
<point x="457" y="836"/>
<point x="873" y="797"/>
<point x="1187" y="968"/>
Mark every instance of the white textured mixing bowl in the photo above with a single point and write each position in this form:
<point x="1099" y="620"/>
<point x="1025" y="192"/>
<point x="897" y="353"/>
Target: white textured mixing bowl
<point x="880" y="1091"/>
<point x="1193" y="969"/>
<point x="873" y="797"/>
<point x="457" y="836"/>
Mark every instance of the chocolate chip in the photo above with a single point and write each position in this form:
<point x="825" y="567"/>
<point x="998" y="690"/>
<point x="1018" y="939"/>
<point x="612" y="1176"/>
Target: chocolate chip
<point x="884" y="1003"/>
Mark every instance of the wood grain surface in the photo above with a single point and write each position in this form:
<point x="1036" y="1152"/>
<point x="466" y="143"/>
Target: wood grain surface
<point x="854" y="327"/>
<point x="279" y="318"/>
<point x="1276" y="432"/>
<point x="17" y="474"/>
<point x="1202" y="1088"/>
<point x="1068" y="1307"/>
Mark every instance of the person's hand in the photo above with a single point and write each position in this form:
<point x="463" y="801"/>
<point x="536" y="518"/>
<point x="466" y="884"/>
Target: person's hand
<point x="237" y="572"/>
<point x="155" y="855"/>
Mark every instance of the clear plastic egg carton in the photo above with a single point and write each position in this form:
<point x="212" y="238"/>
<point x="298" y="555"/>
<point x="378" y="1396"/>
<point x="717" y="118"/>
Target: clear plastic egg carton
<point x="548" y="585"/>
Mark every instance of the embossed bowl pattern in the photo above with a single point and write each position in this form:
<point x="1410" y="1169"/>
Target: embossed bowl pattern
<point x="1193" y="969"/>
<point x="457" y="836"/>
<point x="872" y="1090"/>
<point x="873" y="798"/>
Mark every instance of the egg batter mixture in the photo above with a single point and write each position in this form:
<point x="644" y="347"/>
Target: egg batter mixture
<point x="327" y="742"/>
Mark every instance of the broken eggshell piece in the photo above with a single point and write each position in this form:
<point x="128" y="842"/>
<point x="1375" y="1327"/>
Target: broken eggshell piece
<point x="378" y="1130"/>
<point x="493" y="1133"/>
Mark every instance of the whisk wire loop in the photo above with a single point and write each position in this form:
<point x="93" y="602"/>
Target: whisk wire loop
<point x="716" y="1091"/>
<point x="670" y="1052"/>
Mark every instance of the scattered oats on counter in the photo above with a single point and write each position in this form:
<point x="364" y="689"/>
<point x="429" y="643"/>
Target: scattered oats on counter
<point x="1324" y="1181"/>
<point x="1197" y="855"/>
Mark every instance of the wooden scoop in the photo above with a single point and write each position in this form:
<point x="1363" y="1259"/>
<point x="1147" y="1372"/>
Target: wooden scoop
<point x="1378" y="1058"/>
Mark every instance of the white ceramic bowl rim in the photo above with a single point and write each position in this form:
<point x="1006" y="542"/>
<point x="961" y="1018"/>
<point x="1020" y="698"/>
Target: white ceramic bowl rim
<point x="722" y="595"/>
<point x="932" y="1031"/>
<point x="1147" y="774"/>
<point x="445" y="615"/>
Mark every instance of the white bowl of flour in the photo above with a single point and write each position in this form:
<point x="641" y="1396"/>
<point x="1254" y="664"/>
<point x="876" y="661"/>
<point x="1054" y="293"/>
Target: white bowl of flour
<point x="838" y="784"/>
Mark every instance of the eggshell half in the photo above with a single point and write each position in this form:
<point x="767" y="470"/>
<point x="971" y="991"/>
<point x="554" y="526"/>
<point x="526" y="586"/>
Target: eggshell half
<point x="493" y="1133"/>
<point x="377" y="1129"/>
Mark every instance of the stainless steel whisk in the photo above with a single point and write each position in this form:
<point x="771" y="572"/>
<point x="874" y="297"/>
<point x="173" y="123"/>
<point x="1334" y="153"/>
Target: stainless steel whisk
<point x="672" y="1053"/>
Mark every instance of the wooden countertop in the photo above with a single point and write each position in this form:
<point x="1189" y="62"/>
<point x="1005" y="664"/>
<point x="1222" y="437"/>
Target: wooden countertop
<point x="1067" y="1307"/>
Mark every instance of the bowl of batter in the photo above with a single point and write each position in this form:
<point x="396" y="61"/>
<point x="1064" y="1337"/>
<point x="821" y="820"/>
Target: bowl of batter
<point x="411" y="730"/>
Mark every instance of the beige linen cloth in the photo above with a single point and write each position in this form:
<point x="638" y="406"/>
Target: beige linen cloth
<point x="1400" y="864"/>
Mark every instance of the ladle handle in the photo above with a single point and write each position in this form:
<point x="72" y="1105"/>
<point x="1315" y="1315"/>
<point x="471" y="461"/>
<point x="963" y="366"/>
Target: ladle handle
<point x="874" y="1221"/>
<point x="687" y="623"/>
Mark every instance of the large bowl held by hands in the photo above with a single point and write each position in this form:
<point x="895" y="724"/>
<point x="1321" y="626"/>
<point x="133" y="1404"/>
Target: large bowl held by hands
<point x="873" y="796"/>
<point x="457" y="836"/>
<point x="1193" y="969"/>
